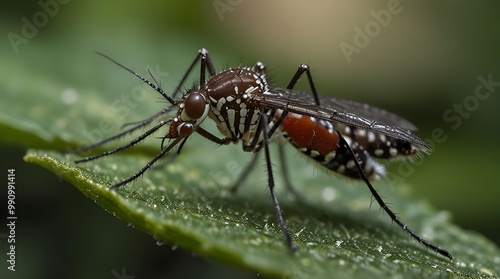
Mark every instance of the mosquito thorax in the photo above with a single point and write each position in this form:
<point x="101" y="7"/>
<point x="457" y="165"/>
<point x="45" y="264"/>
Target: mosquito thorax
<point x="228" y="92"/>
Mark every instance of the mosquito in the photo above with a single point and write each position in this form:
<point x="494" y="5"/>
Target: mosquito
<point x="343" y="136"/>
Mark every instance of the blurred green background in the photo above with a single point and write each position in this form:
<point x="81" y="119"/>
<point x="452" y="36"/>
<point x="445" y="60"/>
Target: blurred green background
<point x="421" y="60"/>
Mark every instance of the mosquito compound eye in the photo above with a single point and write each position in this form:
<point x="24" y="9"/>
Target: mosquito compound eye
<point x="194" y="106"/>
<point x="185" y="129"/>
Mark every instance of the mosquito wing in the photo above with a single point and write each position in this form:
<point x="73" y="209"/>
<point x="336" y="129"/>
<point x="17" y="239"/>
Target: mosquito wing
<point x="345" y="112"/>
<point x="343" y="105"/>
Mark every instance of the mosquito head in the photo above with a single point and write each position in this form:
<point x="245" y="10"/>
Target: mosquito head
<point x="193" y="109"/>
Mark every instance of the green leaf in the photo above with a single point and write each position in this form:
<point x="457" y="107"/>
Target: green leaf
<point x="186" y="203"/>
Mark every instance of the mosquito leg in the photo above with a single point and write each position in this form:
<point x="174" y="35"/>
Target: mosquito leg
<point x="148" y="165"/>
<point x="186" y="74"/>
<point x="251" y="165"/>
<point x="304" y="68"/>
<point x="277" y="123"/>
<point x="150" y="119"/>
<point x="206" y="63"/>
<point x="211" y="137"/>
<point x="288" y="239"/>
<point x="166" y="161"/>
<point x="206" y="134"/>
<point x="203" y="54"/>
<point x="284" y="170"/>
<point x="252" y="147"/>
<point x="130" y="144"/>
<point x="391" y="214"/>
<point x="138" y="125"/>
<point x="244" y="173"/>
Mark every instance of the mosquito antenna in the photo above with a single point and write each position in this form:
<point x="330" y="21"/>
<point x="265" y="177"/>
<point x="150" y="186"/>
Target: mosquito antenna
<point x="156" y="88"/>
